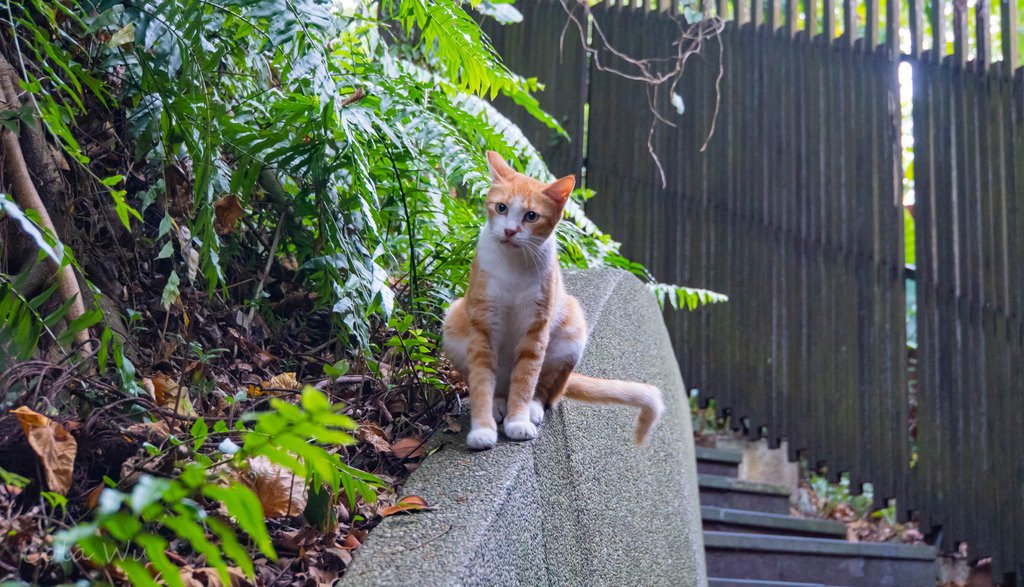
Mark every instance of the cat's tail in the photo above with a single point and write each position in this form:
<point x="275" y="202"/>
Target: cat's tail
<point x="627" y="393"/>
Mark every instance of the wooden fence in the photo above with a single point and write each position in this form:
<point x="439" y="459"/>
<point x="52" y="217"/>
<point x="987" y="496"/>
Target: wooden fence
<point x="969" y="156"/>
<point x="795" y="210"/>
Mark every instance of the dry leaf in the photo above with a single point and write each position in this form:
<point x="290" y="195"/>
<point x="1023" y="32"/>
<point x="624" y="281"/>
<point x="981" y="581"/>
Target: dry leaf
<point x="92" y="499"/>
<point x="191" y="264"/>
<point x="208" y="577"/>
<point x="408" y="448"/>
<point x="165" y="392"/>
<point x="54" y="445"/>
<point x="343" y="556"/>
<point x="453" y="425"/>
<point x="153" y="432"/>
<point x="228" y="210"/>
<point x="350" y="542"/>
<point x="283" y="381"/>
<point x="372" y="434"/>
<point x="281" y="492"/>
<point x="409" y="503"/>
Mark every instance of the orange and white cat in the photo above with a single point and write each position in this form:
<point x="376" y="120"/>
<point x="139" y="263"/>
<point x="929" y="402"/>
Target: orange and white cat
<point x="517" y="335"/>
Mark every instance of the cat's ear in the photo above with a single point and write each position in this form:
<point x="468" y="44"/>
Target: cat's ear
<point x="559" y="190"/>
<point x="499" y="168"/>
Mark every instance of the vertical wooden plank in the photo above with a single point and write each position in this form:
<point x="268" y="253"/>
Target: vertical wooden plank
<point x="959" y="406"/>
<point x="871" y="25"/>
<point x="1008" y="37"/>
<point x="756" y="14"/>
<point x="945" y="296"/>
<point x="1013" y="158"/>
<point x="938" y="30"/>
<point x="892" y="27"/>
<point x="916" y="22"/>
<point x="982" y="11"/>
<point x="811" y="18"/>
<point x="849" y="22"/>
<point x="924" y="217"/>
<point x="792" y="17"/>
<point x="828" y="20"/>
<point x="774" y="15"/>
<point x="960" y="32"/>
<point x="723" y="9"/>
<point x="741" y="11"/>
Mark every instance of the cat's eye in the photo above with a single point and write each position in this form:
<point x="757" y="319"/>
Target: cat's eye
<point x="501" y="208"/>
<point x="530" y="216"/>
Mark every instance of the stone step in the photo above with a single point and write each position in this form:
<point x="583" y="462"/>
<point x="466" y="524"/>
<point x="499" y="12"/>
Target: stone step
<point x="796" y="559"/>
<point x="726" y="492"/>
<point x="717" y="461"/>
<point x="718" y="582"/>
<point x="733" y="520"/>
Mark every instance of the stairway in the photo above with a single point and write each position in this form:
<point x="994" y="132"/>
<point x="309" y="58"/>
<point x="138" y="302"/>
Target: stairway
<point x="750" y="540"/>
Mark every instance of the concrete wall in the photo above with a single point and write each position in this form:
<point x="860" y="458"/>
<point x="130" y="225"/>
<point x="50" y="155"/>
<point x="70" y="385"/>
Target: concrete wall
<point x="581" y="505"/>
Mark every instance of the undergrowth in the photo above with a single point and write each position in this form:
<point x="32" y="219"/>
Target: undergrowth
<point x="269" y="204"/>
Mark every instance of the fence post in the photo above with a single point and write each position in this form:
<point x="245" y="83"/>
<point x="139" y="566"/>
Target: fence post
<point x="1008" y="38"/>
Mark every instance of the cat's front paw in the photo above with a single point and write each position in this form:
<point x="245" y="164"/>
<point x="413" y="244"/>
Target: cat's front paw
<point x="482" y="438"/>
<point x="536" y="412"/>
<point x="520" y="430"/>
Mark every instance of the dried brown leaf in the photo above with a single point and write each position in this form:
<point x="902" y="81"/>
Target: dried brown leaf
<point x="281" y="492"/>
<point x="408" y="504"/>
<point x="227" y="210"/>
<point x="350" y="542"/>
<point x="167" y="394"/>
<point x="208" y="577"/>
<point x="283" y="381"/>
<point x="453" y="425"/>
<point x="53" y="444"/>
<point x="373" y="435"/>
<point x="408" y="448"/>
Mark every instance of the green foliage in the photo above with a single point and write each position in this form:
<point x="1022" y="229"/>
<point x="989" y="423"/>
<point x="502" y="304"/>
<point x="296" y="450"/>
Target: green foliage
<point x="23" y="321"/>
<point x="128" y="526"/>
<point x="137" y="522"/>
<point x="833" y="495"/>
<point x="355" y="135"/>
<point x="686" y="297"/>
<point x="250" y="89"/>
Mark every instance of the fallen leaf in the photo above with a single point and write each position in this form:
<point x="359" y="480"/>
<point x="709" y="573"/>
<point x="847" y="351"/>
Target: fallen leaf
<point x="343" y="556"/>
<point x="408" y="504"/>
<point x="191" y="264"/>
<point x="227" y="210"/>
<point x="92" y="499"/>
<point x="453" y="425"/>
<point x="165" y="392"/>
<point x="53" y="444"/>
<point x="323" y="576"/>
<point x="372" y="434"/>
<point x="208" y="577"/>
<point x="153" y="432"/>
<point x="408" y="448"/>
<point x="283" y="381"/>
<point x="350" y="542"/>
<point x="281" y="492"/>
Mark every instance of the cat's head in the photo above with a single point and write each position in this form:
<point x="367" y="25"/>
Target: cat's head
<point x="521" y="211"/>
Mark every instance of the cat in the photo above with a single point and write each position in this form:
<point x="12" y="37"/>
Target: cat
<point x="517" y="335"/>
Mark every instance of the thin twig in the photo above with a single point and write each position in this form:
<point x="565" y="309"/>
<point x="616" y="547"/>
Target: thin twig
<point x="266" y="272"/>
<point x="689" y="41"/>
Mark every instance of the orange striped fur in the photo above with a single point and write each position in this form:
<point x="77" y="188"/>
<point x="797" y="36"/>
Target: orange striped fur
<point x="517" y="335"/>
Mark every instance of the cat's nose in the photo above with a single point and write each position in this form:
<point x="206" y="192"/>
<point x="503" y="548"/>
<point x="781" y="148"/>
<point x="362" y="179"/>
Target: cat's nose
<point x="509" y="233"/>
